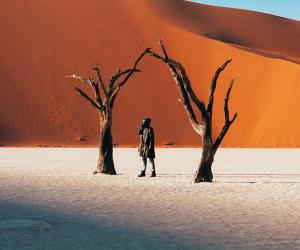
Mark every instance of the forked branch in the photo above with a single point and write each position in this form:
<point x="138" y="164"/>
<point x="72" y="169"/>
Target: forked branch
<point x="119" y="74"/>
<point x="115" y="87"/>
<point x="187" y="93"/>
<point x="110" y="92"/>
<point x="188" y="96"/>
<point x="95" y="88"/>
<point x="227" y="121"/>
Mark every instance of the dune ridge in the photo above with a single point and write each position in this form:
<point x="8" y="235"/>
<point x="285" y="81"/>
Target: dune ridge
<point x="51" y="39"/>
<point x="257" y="32"/>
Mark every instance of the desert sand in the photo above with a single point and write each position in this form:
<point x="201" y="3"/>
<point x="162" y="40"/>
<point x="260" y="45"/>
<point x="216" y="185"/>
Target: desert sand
<point x="43" y="41"/>
<point x="50" y="200"/>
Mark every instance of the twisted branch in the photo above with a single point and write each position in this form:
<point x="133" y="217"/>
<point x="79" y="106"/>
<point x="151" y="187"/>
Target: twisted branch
<point x="213" y="87"/>
<point x="187" y="84"/>
<point x="89" y="99"/>
<point x="183" y="86"/>
<point x="96" y="68"/>
<point x="228" y="122"/>
<point x="134" y="68"/>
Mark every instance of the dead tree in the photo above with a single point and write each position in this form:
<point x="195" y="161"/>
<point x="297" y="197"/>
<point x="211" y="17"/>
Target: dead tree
<point x="105" y="97"/>
<point x="203" y="128"/>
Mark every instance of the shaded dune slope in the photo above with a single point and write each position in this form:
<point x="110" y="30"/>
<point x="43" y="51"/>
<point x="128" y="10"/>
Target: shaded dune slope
<point x="256" y="32"/>
<point x="43" y="41"/>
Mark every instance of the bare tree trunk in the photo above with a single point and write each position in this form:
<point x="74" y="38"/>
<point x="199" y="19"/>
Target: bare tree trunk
<point x="204" y="129"/>
<point x="104" y="104"/>
<point x="105" y="161"/>
<point x="204" y="172"/>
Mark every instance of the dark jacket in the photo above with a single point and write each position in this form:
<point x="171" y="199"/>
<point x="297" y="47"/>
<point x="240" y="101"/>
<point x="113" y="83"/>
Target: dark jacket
<point x="146" y="148"/>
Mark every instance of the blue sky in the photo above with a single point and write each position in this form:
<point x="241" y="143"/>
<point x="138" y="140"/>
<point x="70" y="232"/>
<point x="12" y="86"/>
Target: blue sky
<point x="285" y="8"/>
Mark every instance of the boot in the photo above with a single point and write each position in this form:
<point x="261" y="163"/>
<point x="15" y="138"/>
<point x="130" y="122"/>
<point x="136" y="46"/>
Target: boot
<point x="153" y="174"/>
<point x="142" y="174"/>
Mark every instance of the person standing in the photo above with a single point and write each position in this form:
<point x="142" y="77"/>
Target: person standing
<point x="146" y="148"/>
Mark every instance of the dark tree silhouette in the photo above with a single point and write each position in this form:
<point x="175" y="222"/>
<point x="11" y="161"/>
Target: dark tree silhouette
<point x="204" y="128"/>
<point x="104" y="103"/>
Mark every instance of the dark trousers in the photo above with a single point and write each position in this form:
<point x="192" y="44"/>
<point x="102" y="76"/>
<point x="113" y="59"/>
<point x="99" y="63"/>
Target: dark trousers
<point x="151" y="160"/>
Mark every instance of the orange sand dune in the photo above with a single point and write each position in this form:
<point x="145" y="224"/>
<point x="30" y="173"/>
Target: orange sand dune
<point x="43" y="41"/>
